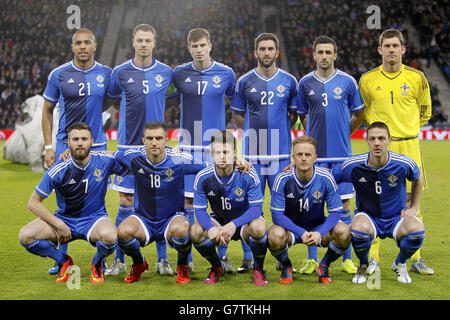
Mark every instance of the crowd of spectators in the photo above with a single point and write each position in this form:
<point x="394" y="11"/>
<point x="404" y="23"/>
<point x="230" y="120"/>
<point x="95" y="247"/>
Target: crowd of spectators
<point x="34" y="40"/>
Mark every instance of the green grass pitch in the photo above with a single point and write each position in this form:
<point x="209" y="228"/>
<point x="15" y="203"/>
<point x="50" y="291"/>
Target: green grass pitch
<point x="24" y="276"/>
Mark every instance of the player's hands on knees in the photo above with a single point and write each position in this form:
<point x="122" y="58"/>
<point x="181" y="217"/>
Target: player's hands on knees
<point x="311" y="238"/>
<point x="228" y="231"/>
<point x="243" y="165"/>
<point x="65" y="155"/>
<point x="409" y="212"/>
<point x="64" y="234"/>
<point x="289" y="168"/>
<point x="49" y="157"/>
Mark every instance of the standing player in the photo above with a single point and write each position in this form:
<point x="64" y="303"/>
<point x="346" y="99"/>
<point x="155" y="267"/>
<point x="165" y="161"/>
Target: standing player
<point x="297" y="204"/>
<point x="80" y="87"/>
<point x="236" y="201"/>
<point x="399" y="96"/>
<point x="326" y="99"/>
<point x="380" y="178"/>
<point x="80" y="185"/>
<point x="158" y="206"/>
<point x="138" y="88"/>
<point x="203" y="85"/>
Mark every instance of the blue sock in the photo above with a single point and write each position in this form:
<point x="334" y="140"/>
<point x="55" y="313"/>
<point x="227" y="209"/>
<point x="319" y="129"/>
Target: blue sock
<point x="222" y="251"/>
<point x="409" y="244"/>
<point x="361" y="245"/>
<point x="161" y="249"/>
<point x="63" y="248"/>
<point x="247" y="251"/>
<point x="45" y="249"/>
<point x="259" y="249"/>
<point x="332" y="254"/>
<point x="123" y="213"/>
<point x="312" y="253"/>
<point x="208" y="250"/>
<point x="346" y="217"/>
<point x="103" y="250"/>
<point x="183" y="246"/>
<point x="282" y="256"/>
<point x="190" y="212"/>
<point x="132" y="248"/>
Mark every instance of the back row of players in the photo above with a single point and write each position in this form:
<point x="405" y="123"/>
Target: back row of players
<point x="264" y="102"/>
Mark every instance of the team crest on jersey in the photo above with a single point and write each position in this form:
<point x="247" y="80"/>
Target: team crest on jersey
<point x="100" y="80"/>
<point x="169" y="174"/>
<point x="280" y="90"/>
<point x="216" y="81"/>
<point x="317" y="195"/>
<point x="239" y="193"/>
<point x="159" y="80"/>
<point x="98" y="173"/>
<point x="393" y="180"/>
<point x="405" y="89"/>
<point x="338" y="92"/>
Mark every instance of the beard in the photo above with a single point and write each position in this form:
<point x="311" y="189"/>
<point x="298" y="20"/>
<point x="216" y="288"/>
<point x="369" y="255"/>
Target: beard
<point x="266" y="64"/>
<point x="79" y="156"/>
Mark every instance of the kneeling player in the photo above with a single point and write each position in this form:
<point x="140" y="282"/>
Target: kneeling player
<point x="236" y="201"/>
<point x="379" y="177"/>
<point x="80" y="185"/>
<point x="297" y="206"/>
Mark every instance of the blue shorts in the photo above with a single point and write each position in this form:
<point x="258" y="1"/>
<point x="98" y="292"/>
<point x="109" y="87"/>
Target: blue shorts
<point x="346" y="189"/>
<point x="383" y="227"/>
<point x="156" y="230"/>
<point x="81" y="228"/>
<point x="268" y="170"/>
<point x="199" y="157"/>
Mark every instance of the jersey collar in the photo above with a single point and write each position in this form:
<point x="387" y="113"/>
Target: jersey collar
<point x="228" y="181"/>
<point x="266" y="79"/>
<point x="304" y="185"/>
<point x="155" y="164"/>
<point x="203" y="70"/>
<point x="151" y="66"/>
<point x="78" y="166"/>
<point x="329" y="79"/>
<point x="381" y="168"/>
<point x="82" y="70"/>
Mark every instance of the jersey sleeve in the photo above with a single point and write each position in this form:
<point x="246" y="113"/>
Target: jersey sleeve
<point x="255" y="196"/>
<point x="52" y="92"/>
<point x="365" y="95"/>
<point x="424" y="101"/>
<point x="231" y="85"/>
<point x="114" y="90"/>
<point x="355" y="101"/>
<point x="302" y="103"/>
<point x="117" y="167"/>
<point x="238" y="104"/>
<point x="122" y="160"/>
<point x="333" y="199"/>
<point x="412" y="170"/>
<point x="277" y="199"/>
<point x="200" y="200"/>
<point x="46" y="186"/>
<point x="292" y="99"/>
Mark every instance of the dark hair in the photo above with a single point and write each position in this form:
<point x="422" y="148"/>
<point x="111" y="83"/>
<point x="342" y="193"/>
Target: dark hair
<point x="391" y="33"/>
<point x="304" y="139"/>
<point x="324" y="40"/>
<point x="144" y="27"/>
<point x="79" y="126"/>
<point x="223" y="136"/>
<point x="196" y="34"/>
<point x="152" y="125"/>
<point x="380" y="125"/>
<point x="267" y="36"/>
<point x="83" y="30"/>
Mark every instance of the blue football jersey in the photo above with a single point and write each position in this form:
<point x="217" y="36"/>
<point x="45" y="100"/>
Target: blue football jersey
<point x="229" y="198"/>
<point x="266" y="102"/>
<point x="142" y="94"/>
<point x="329" y="105"/>
<point x="380" y="192"/>
<point x="159" y="188"/>
<point x="203" y="95"/>
<point x="80" y="191"/>
<point x="303" y="203"/>
<point x="80" y="94"/>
